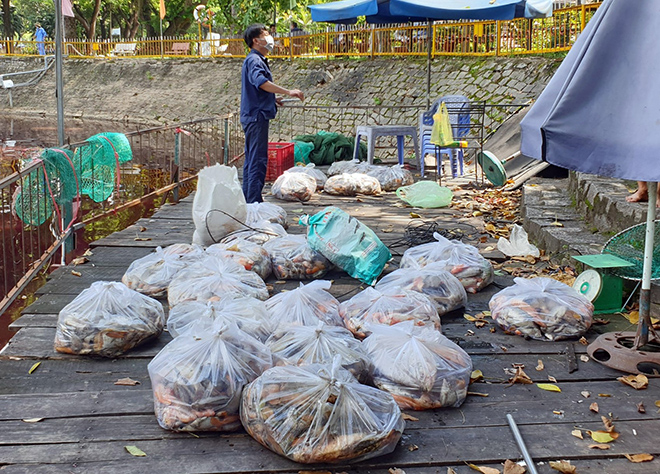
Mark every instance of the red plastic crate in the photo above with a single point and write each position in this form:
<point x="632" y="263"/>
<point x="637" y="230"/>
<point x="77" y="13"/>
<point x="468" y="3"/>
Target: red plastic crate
<point x="280" y="159"/>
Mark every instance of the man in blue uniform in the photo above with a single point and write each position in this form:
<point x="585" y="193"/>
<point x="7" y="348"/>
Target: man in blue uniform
<point x="258" y="107"/>
<point x="39" y="36"/>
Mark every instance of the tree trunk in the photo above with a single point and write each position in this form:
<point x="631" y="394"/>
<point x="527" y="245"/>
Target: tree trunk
<point x="6" y="18"/>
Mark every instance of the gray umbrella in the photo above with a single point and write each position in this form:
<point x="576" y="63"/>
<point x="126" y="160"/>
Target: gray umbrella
<point x="600" y="113"/>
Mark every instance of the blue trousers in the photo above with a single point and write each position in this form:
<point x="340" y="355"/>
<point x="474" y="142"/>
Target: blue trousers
<point x="256" y="160"/>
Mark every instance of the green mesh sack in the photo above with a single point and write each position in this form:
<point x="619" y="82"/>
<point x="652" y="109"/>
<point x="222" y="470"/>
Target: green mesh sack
<point x="629" y="245"/>
<point x="33" y="201"/>
<point x="97" y="161"/>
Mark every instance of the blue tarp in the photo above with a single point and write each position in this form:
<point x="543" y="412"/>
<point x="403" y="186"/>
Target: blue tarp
<point x="600" y="113"/>
<point x="402" y="11"/>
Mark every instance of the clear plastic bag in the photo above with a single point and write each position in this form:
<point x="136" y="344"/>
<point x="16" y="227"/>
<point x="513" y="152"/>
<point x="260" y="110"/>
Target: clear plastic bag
<point x="304" y="306"/>
<point x="542" y="308"/>
<point x="197" y="379"/>
<point x="351" y="184"/>
<point x="259" y="233"/>
<point x="390" y="178"/>
<point x="248" y="313"/>
<point x="312" y="171"/>
<point x="293" y="259"/>
<point x="253" y="257"/>
<point x="339" y="167"/>
<point x="152" y="273"/>
<point x="420" y="367"/>
<point x="107" y="319"/>
<point x="371" y="307"/>
<point x="445" y="289"/>
<point x="517" y="245"/>
<point x="425" y="194"/>
<point x="304" y="345"/>
<point x="461" y="260"/>
<point x="213" y="279"/>
<point x="294" y="187"/>
<point x="266" y="211"/>
<point x="320" y="413"/>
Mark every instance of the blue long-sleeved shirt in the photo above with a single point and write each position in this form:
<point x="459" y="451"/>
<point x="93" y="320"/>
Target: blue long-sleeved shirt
<point x="256" y="103"/>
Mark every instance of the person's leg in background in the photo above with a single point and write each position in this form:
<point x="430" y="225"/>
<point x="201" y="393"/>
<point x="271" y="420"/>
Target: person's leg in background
<point x="642" y="193"/>
<point x="256" y="160"/>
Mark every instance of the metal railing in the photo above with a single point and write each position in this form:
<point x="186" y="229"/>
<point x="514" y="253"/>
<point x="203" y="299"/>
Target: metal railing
<point x="165" y="160"/>
<point x="469" y="38"/>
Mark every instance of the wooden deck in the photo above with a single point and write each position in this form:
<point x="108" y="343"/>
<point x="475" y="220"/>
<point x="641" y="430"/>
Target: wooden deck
<point x="87" y="420"/>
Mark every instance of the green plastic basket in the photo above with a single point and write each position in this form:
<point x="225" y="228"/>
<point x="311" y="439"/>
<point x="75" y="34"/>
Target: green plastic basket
<point x="629" y="245"/>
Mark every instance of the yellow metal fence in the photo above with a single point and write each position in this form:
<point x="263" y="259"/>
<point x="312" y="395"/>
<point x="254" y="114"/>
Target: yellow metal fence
<point x="474" y="38"/>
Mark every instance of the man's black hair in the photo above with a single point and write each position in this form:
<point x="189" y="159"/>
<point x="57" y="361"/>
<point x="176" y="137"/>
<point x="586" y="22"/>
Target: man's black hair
<point x="294" y="24"/>
<point x="252" y="32"/>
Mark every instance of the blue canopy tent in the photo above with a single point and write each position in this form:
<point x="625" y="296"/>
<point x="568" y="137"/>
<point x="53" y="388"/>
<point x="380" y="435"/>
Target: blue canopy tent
<point x="403" y="11"/>
<point x="600" y="114"/>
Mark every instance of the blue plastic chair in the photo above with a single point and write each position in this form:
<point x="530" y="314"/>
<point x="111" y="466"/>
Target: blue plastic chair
<point x="459" y="116"/>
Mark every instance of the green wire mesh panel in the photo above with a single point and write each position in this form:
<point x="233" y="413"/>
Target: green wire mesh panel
<point x="97" y="163"/>
<point x="629" y="245"/>
<point x="33" y="202"/>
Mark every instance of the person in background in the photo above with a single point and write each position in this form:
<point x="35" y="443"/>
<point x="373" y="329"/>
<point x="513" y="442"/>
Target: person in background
<point x="258" y="107"/>
<point x="642" y="193"/>
<point x="39" y="37"/>
<point x="296" y="30"/>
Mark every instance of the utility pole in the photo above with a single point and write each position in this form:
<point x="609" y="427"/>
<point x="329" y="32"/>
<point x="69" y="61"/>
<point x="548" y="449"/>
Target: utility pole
<point x="59" y="82"/>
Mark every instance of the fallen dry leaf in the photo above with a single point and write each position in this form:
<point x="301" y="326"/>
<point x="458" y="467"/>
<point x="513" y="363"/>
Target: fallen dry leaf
<point x="484" y="469"/>
<point x="602" y="436"/>
<point x="450" y="471"/>
<point x="314" y="472"/>
<point x="549" y="387"/>
<point x="639" y="457"/>
<point x="511" y="467"/>
<point x="135" y="451"/>
<point x="599" y="446"/>
<point x="476" y="375"/>
<point x="577" y="434"/>
<point x="413" y="447"/>
<point x="552" y="379"/>
<point x="414" y="215"/>
<point x="583" y="341"/>
<point x="477" y="394"/>
<point x="34" y="367"/>
<point x="601" y="321"/>
<point x="408" y="417"/>
<point x="604" y="395"/>
<point x="142" y="239"/>
<point x="88" y="253"/>
<point x="540" y="366"/>
<point x="127" y="381"/>
<point x="31" y="420"/>
<point x="638" y="382"/>
<point x="396" y="470"/>
<point x="520" y="377"/>
<point x="609" y="425"/>
<point x="585" y="394"/>
<point x="79" y="260"/>
<point x="641" y="408"/>
<point x="584" y="358"/>
<point x="657" y="403"/>
<point x="565" y="467"/>
<point x="594" y="407"/>
<point x="75" y="273"/>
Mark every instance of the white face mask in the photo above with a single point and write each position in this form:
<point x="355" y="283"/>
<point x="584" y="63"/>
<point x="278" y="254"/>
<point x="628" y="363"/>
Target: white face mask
<point x="270" y="43"/>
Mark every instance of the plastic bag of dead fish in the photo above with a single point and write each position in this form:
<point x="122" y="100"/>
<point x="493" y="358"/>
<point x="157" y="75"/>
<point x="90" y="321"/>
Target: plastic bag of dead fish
<point x="542" y="308"/>
<point x="461" y="260"/>
<point x="311" y="170"/>
<point x="320" y="413"/>
<point x="258" y="233"/>
<point x="350" y="184"/>
<point x="420" y="367"/>
<point x="304" y="306"/>
<point x="108" y="319"/>
<point x="445" y="289"/>
<point x="212" y="279"/>
<point x="304" y="345"/>
<point x="293" y="259"/>
<point x="253" y="257"/>
<point x="339" y="167"/>
<point x="390" y="178"/>
<point x="294" y="187"/>
<point x="152" y="273"/>
<point x="197" y="379"/>
<point x="248" y="313"/>
<point x="266" y="211"/>
<point x="371" y="306"/>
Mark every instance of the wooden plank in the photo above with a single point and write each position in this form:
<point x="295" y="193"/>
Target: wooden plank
<point x="438" y="447"/>
<point x="49" y="304"/>
<point x="62" y="281"/>
<point x="71" y="375"/>
<point x="527" y="403"/>
<point x="48" y="320"/>
<point x="115" y="256"/>
<point x="162" y="232"/>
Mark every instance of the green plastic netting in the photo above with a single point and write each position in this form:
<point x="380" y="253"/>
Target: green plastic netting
<point x="629" y="245"/>
<point x="33" y="202"/>
<point x="97" y="163"/>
